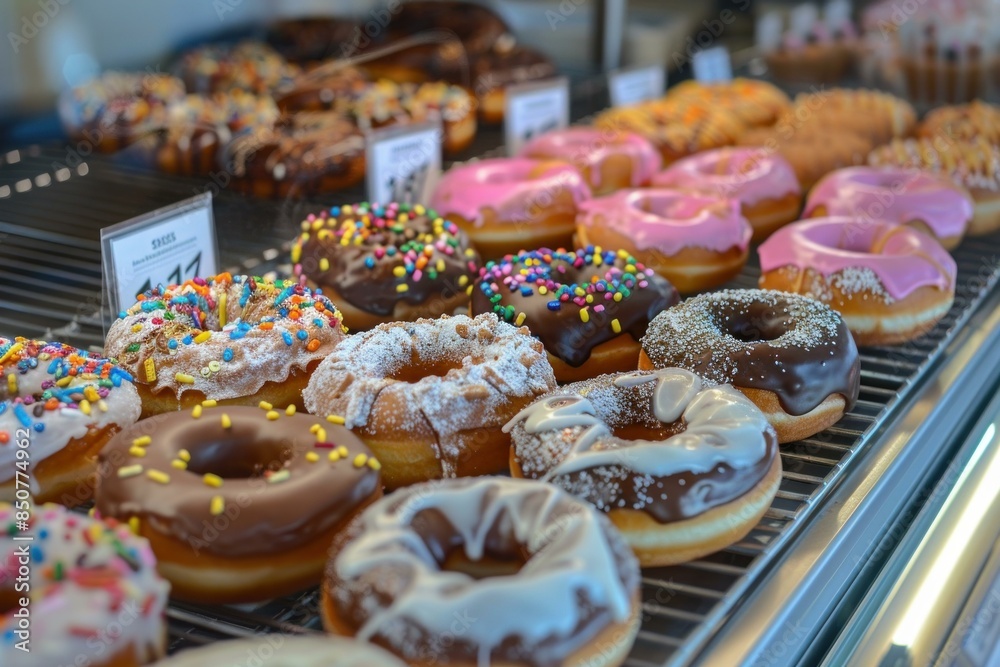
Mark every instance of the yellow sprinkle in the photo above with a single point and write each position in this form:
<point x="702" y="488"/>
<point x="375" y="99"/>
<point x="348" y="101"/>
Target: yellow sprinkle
<point x="205" y="371"/>
<point x="324" y="264"/>
<point x="137" y="452"/>
<point x="520" y="319"/>
<point x="150" y="367"/>
<point x="399" y="271"/>
<point x="630" y="268"/>
<point x="279" y="476"/>
<point x="590" y="298"/>
<point x="143" y="441"/>
<point x="264" y="405"/>
<point x="616" y="326"/>
<point x="180" y="465"/>
<point x="214" y="366"/>
<point x="184" y="378"/>
<point x="334" y="455"/>
<point x="102" y="405"/>
<point x="158" y="477"/>
<point x="342" y="450"/>
<point x="314" y="428"/>
<point x="542" y="289"/>
<point x="218" y="506"/>
<point x="184" y="455"/>
<point x="402" y="288"/>
<point x="335" y="419"/>
<point x="130" y="471"/>
<point x="92" y="512"/>
<point x="463" y="281"/>
<point x="226" y="421"/>
<point x="618" y="297"/>
<point x="321" y="435"/>
<point x="136" y="328"/>
<point x="212" y="480"/>
<point x="222" y="310"/>
<point x="290" y="410"/>
<point x="62" y="382"/>
<point x="85" y="406"/>
<point x="469" y="290"/>
<point x="312" y="457"/>
<point x="202" y="337"/>
<point x="196" y="411"/>
<point x="419" y="209"/>
<point x="14" y="349"/>
<point x="133" y="525"/>
<point x="272" y="415"/>
<point x="360" y="460"/>
<point x="209" y="403"/>
<point x="296" y="253"/>
<point x="584" y="315"/>
<point x="374" y="464"/>
<point x="440" y="265"/>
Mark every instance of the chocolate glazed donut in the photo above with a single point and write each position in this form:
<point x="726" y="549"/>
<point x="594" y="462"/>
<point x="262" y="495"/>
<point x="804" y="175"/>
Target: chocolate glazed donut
<point x="792" y="356"/>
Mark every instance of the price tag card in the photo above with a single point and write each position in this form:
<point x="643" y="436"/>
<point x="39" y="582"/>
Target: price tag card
<point x="404" y="162"/>
<point x="712" y="65"/>
<point x="636" y="84"/>
<point x="534" y="108"/>
<point x="169" y="245"/>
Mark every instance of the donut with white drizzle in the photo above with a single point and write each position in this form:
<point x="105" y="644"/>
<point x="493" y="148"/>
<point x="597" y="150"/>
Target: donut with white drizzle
<point x="535" y="576"/>
<point x="682" y="468"/>
<point x="94" y="592"/>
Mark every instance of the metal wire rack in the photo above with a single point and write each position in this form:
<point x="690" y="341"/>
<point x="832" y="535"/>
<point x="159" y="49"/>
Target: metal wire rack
<point x="50" y="275"/>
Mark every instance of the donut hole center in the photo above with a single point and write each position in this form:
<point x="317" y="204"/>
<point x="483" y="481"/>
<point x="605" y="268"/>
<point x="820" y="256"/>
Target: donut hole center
<point x="237" y="459"/>
<point x="751" y="331"/>
<point x="645" y="432"/>
<point x="490" y="565"/>
<point x="419" y="368"/>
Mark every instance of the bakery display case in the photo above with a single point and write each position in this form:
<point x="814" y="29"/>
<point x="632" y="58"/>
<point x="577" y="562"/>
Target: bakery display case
<point x="879" y="546"/>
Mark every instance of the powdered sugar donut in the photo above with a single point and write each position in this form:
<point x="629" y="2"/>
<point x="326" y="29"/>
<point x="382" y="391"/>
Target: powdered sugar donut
<point x="286" y="651"/>
<point x="427" y="556"/>
<point x="94" y="592"/>
<point x="429" y="397"/>
<point x="58" y="407"/>
<point x="235" y="340"/>
<point x="681" y="468"/>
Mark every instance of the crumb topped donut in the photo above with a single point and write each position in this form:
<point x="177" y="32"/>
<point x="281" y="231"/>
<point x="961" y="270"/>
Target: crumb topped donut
<point x="589" y="307"/>
<point x="95" y="595"/>
<point x="681" y="468"/>
<point x="429" y="397"/>
<point x="792" y="356"/>
<point x="239" y="504"/>
<point x="386" y="263"/>
<point x="546" y="578"/>
<point x="234" y="339"/>
<point x="59" y="405"/>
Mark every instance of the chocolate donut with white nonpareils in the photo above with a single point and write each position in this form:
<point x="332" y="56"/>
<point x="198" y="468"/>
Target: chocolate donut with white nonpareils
<point x="682" y="468"/>
<point x="792" y="356"/>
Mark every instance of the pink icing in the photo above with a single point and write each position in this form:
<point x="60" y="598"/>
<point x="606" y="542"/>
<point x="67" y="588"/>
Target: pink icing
<point x="670" y="220"/>
<point x="508" y="186"/>
<point x="908" y="259"/>
<point x="895" y="195"/>
<point x="589" y="147"/>
<point x="750" y="175"/>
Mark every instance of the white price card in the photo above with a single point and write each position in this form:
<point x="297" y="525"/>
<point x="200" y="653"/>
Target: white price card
<point x="712" y="65"/>
<point x="532" y="109"/>
<point x="404" y="162"/>
<point x="636" y="84"/>
<point x="169" y="246"/>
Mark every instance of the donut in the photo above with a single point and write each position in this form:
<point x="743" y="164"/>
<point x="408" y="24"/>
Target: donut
<point x="872" y="114"/>
<point x="495" y="70"/>
<point x="485" y="572"/>
<point x="695" y="241"/>
<point x="506" y="204"/>
<point x="755" y="103"/>
<point x="928" y="202"/>
<point x="113" y="110"/>
<point x="675" y="128"/>
<point x="589" y="308"/>
<point x="331" y="87"/>
<point x="890" y="283"/>
<point x="249" y="65"/>
<point x="58" y="407"/>
<point x="286" y="651"/>
<point x="236" y="340"/>
<point x="682" y="469"/>
<point x="974" y="165"/>
<point x="312" y="39"/>
<point x="89" y="589"/>
<point x="965" y="122"/>
<point x="302" y="155"/>
<point x="429" y="397"/>
<point x="762" y="181"/>
<point x="792" y="356"/>
<point x="608" y="160"/>
<point x="812" y="151"/>
<point x="825" y="54"/>
<point x="386" y="263"/>
<point x="239" y="504"/>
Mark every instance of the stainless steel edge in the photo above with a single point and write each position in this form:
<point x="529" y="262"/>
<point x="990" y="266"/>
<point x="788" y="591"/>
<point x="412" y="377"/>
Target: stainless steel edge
<point x="920" y="595"/>
<point x="783" y="608"/>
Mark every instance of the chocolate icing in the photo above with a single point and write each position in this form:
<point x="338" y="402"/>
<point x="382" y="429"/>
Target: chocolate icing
<point x="796" y="347"/>
<point x="364" y="274"/>
<point x="261" y="517"/>
<point x="562" y="331"/>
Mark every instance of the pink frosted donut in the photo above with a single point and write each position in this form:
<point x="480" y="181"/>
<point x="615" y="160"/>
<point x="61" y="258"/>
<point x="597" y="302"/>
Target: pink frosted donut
<point x="508" y="204"/>
<point x="608" y="160"/>
<point x="696" y="241"/>
<point x="911" y="197"/>
<point x="762" y="181"/>
<point x="891" y="283"/>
